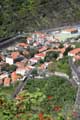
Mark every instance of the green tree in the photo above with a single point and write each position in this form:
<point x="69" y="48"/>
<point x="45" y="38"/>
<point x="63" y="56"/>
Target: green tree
<point x="34" y="72"/>
<point x="51" y="55"/>
<point x="33" y="51"/>
<point x="9" y="68"/>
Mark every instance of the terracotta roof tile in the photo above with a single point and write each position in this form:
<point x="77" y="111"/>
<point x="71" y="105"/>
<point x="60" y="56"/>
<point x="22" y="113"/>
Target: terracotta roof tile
<point x="14" y="55"/>
<point x="70" y="29"/>
<point x="23" y="44"/>
<point x="77" y="57"/>
<point x="75" y="51"/>
<point x="14" y="76"/>
<point x="40" y="55"/>
<point x="42" y="49"/>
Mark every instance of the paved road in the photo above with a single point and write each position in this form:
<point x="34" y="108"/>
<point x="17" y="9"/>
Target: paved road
<point x="23" y="34"/>
<point x="62" y="27"/>
<point x="6" y="41"/>
<point x="77" y="104"/>
<point x="21" y="85"/>
<point x="77" y="80"/>
<point x="75" y="72"/>
<point x="12" y="39"/>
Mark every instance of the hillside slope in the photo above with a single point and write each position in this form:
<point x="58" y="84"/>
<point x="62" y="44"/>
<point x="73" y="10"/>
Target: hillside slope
<point x="28" y="15"/>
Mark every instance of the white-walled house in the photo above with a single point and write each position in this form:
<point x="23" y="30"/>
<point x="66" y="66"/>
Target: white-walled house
<point x="21" y="71"/>
<point x="33" y="61"/>
<point x="4" y="75"/>
<point x="40" y="55"/>
<point x="9" y="60"/>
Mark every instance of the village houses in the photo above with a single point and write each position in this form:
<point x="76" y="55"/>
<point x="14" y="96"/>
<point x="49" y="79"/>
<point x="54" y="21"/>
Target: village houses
<point x="24" y="62"/>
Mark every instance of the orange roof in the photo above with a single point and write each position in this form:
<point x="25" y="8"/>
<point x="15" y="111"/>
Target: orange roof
<point x="62" y="50"/>
<point x="40" y="55"/>
<point x="77" y="57"/>
<point x="29" y="38"/>
<point x="6" y="81"/>
<point x="14" y="76"/>
<point x="42" y="49"/>
<point x="14" y="55"/>
<point x="70" y="29"/>
<point x="23" y="44"/>
<point x="25" y="68"/>
<point x="75" y="51"/>
<point x="20" y="64"/>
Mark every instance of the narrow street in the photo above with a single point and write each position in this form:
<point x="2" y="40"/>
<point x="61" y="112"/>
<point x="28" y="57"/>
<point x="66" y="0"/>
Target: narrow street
<point x="77" y="104"/>
<point x="75" y="73"/>
<point x="21" y="85"/>
<point x="76" y="76"/>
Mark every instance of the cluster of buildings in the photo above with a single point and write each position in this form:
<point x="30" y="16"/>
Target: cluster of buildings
<point x="19" y="54"/>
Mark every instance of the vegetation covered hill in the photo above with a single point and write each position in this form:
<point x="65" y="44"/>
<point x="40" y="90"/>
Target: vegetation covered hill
<point x="28" y="15"/>
<point x="42" y="99"/>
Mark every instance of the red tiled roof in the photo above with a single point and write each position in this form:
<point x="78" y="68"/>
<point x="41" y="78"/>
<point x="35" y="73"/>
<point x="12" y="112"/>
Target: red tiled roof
<point x="20" y="64"/>
<point x="77" y="57"/>
<point x="14" y="55"/>
<point x="14" y="76"/>
<point x="23" y="44"/>
<point x="70" y="29"/>
<point x="21" y="68"/>
<point x="62" y="50"/>
<point x="40" y="55"/>
<point x="42" y="49"/>
<point x="75" y="51"/>
<point x="25" y="68"/>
